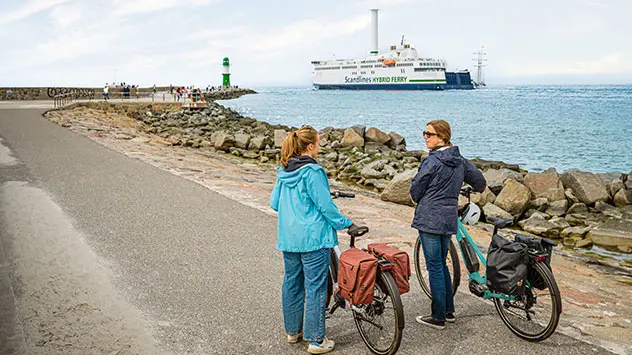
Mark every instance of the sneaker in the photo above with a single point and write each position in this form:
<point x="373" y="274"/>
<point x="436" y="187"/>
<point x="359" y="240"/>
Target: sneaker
<point x="431" y="322"/>
<point x="321" y="348"/>
<point x="293" y="339"/>
<point x="450" y="318"/>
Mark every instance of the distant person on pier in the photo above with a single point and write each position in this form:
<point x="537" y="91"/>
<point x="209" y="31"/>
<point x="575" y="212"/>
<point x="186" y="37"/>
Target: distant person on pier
<point x="106" y="90"/>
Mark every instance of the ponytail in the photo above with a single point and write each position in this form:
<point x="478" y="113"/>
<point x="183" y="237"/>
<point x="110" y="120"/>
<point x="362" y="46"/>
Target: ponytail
<point x="296" y="143"/>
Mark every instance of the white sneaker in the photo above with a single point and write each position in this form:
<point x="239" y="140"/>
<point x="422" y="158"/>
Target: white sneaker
<point x="293" y="339"/>
<point x="324" y="347"/>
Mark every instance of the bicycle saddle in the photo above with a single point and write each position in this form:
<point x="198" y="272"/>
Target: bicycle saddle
<point x="499" y="222"/>
<point x="356" y="231"/>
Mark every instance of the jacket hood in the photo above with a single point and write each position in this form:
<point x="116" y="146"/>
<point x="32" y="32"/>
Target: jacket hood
<point x="297" y="167"/>
<point x="296" y="163"/>
<point x="450" y="156"/>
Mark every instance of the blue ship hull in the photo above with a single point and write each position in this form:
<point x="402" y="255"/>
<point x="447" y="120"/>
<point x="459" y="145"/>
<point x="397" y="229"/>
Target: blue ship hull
<point x="454" y="81"/>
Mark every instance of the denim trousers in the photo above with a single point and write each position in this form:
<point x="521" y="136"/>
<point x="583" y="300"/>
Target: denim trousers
<point x="304" y="293"/>
<point x="435" y="249"/>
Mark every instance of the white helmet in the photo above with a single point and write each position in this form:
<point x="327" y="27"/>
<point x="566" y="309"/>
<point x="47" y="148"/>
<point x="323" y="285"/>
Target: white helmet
<point x="471" y="214"/>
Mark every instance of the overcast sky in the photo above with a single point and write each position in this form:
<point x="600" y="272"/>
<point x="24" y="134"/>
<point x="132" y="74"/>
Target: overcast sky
<point x="91" y="42"/>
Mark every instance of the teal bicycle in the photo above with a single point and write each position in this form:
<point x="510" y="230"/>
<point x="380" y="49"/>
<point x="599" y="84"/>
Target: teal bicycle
<point x="533" y="314"/>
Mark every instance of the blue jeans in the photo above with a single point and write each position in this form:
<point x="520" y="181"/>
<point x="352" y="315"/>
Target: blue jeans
<point x="435" y="248"/>
<point x="305" y="288"/>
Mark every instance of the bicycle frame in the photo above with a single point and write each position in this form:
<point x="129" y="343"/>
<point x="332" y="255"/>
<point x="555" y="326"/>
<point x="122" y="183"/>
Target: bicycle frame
<point x="476" y="276"/>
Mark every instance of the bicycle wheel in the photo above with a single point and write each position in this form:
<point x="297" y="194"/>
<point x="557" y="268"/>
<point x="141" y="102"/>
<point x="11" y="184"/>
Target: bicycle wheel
<point x="534" y="315"/>
<point x="381" y="323"/>
<point x="422" y="272"/>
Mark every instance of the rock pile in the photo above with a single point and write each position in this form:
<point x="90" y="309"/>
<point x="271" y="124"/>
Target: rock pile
<point x="580" y="208"/>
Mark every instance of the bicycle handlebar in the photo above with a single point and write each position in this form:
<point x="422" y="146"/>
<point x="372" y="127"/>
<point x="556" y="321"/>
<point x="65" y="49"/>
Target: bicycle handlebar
<point x="466" y="191"/>
<point x="336" y="194"/>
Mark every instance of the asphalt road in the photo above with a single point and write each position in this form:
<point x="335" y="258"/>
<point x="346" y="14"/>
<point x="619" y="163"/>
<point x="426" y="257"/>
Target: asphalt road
<point x="104" y="254"/>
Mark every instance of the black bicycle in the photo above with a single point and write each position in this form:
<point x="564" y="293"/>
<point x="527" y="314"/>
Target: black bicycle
<point x="381" y="323"/>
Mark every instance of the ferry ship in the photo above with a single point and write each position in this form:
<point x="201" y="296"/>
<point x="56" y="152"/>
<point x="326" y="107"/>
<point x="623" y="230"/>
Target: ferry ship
<point x="401" y="68"/>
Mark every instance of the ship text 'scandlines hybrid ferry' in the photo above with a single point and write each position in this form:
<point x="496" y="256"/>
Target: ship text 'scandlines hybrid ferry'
<point x="400" y="68"/>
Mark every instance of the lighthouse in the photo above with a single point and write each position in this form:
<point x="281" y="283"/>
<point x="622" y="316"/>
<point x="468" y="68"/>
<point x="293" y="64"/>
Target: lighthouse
<point x="226" y="73"/>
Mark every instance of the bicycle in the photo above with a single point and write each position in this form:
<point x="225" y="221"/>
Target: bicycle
<point x="380" y="323"/>
<point x="524" y="314"/>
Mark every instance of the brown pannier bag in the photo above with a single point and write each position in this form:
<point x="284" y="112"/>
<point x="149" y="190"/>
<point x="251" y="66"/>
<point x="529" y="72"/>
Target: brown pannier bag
<point x="400" y="261"/>
<point x="357" y="271"/>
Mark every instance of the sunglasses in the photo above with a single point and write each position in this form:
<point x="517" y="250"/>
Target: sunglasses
<point x="430" y="134"/>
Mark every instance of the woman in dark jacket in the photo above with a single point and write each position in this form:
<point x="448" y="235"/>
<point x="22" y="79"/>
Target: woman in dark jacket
<point x="435" y="190"/>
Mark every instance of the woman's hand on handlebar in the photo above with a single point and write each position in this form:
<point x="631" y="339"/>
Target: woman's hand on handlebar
<point x="356" y="231"/>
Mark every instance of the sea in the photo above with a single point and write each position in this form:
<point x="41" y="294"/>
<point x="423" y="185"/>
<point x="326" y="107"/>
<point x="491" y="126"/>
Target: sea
<point x="586" y="128"/>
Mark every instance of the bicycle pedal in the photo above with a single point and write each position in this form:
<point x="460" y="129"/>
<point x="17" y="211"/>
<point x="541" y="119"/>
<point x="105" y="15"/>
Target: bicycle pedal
<point x="476" y="289"/>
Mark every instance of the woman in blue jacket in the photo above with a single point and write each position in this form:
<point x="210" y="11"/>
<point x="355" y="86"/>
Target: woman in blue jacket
<point x="435" y="190"/>
<point x="307" y="224"/>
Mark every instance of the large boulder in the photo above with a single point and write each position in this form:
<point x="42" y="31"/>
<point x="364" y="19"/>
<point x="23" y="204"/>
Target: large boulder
<point x="545" y="185"/>
<point x="496" y="178"/>
<point x="536" y="224"/>
<point x="612" y="234"/>
<point x="398" y="190"/>
<point x="351" y="138"/>
<point x="360" y="130"/>
<point x="242" y="140"/>
<point x="615" y="186"/>
<point x="223" y="141"/>
<point x="587" y="187"/>
<point x="396" y="140"/>
<point x="557" y="208"/>
<point x="514" y="197"/>
<point x="492" y="210"/>
<point x="375" y="135"/>
<point x="483" y="198"/>
<point x="623" y="198"/>
<point x="578" y="208"/>
<point x="258" y="143"/>
<point x="279" y="136"/>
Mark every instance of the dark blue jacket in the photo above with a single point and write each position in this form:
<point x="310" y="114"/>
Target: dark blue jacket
<point x="436" y="187"/>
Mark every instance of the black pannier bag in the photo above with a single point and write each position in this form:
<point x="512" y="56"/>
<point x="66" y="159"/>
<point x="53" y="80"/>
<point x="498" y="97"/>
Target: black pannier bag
<point x="506" y="266"/>
<point x="542" y="246"/>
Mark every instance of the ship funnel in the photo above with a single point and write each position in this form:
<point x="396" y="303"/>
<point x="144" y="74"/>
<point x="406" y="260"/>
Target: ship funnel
<point x="374" y="31"/>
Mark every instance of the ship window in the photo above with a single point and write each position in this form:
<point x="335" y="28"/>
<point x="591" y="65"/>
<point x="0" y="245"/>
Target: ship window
<point x="362" y="72"/>
<point x="354" y="73"/>
<point x="350" y="67"/>
<point x="372" y="71"/>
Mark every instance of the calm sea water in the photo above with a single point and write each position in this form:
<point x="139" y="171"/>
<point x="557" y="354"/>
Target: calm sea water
<point x="567" y="127"/>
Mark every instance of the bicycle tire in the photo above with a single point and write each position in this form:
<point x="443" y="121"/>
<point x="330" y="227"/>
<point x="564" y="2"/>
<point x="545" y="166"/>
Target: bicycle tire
<point x="384" y="286"/>
<point x="510" y="318"/>
<point x="421" y="272"/>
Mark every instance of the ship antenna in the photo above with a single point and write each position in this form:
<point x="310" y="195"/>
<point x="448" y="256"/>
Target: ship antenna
<point x="402" y="41"/>
<point x="480" y="63"/>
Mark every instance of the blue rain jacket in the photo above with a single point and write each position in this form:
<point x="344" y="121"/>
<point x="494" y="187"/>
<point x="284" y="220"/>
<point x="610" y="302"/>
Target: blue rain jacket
<point x="436" y="188"/>
<point x="308" y="217"/>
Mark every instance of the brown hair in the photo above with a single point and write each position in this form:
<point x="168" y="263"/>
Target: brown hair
<point x="443" y="130"/>
<point x="296" y="143"/>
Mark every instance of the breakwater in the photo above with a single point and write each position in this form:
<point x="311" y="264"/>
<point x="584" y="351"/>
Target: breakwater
<point x="578" y="208"/>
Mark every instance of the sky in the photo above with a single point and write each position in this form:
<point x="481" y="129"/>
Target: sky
<point x="86" y="43"/>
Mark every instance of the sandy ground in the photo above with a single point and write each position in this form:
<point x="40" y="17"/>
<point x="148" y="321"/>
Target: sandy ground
<point x="597" y="299"/>
<point x="60" y="285"/>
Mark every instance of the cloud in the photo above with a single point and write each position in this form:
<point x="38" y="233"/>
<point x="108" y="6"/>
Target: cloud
<point x="614" y="63"/>
<point x="596" y="3"/>
<point x="28" y="9"/>
<point x="65" y="15"/>
<point x="129" y="7"/>
<point x="307" y="32"/>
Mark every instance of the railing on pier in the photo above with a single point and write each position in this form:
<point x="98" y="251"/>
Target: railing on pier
<point x="61" y="100"/>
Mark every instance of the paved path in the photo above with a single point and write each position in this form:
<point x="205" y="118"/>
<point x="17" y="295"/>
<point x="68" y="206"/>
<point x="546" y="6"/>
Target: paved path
<point x="100" y="253"/>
